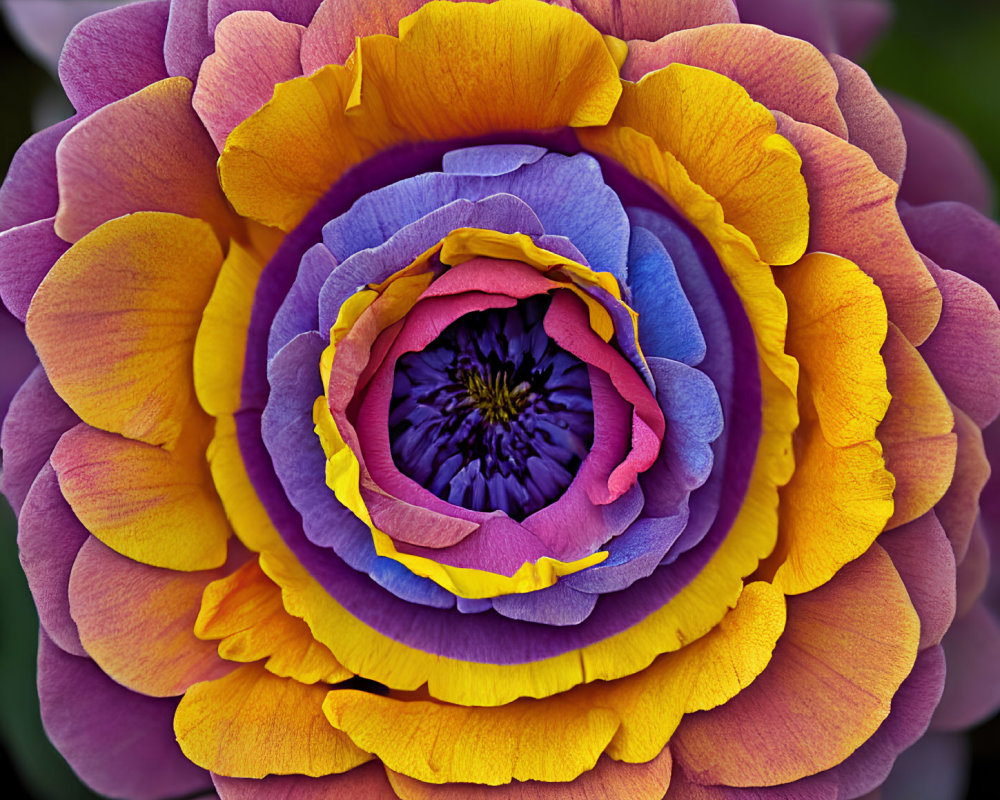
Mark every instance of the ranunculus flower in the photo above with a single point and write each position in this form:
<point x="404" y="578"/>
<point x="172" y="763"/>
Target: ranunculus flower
<point x="467" y="400"/>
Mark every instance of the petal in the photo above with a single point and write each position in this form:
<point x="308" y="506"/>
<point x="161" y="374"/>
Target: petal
<point x="49" y="537"/>
<point x="30" y="191"/>
<point x="836" y="328"/>
<point x="151" y="275"/>
<point x="963" y="352"/>
<point x="852" y="208"/>
<point x="253" y="52"/>
<point x="780" y="72"/>
<point x="752" y="172"/>
<point x="367" y="782"/>
<point x="922" y="555"/>
<point x="27" y="253"/>
<point x="119" y="742"/>
<point x="251" y="723"/>
<point x="37" y="417"/>
<point x="245" y="611"/>
<point x="147" y="152"/>
<point x="803" y="19"/>
<point x="146" y="503"/>
<point x="872" y="125"/>
<point x="607" y="779"/>
<point x="650" y="19"/>
<point x="920" y="448"/>
<point x="840" y="496"/>
<point x="332" y="33"/>
<point x="956" y="237"/>
<point x="137" y="622"/>
<point x="846" y="649"/>
<point x="111" y="55"/>
<point x="552" y="740"/>
<point x="958" y="509"/>
<point x="403" y="90"/>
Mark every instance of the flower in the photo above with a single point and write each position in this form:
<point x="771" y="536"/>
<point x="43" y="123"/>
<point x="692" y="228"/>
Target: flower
<point x="492" y="400"/>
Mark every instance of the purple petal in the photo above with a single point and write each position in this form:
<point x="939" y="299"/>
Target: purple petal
<point x="19" y="359"/>
<point x="27" y="253"/>
<point x="111" y="55"/>
<point x="29" y="192"/>
<point x="34" y="423"/>
<point x="490" y="159"/>
<point x="559" y="604"/>
<point x="49" y="537"/>
<point x="120" y="743"/>
<point x="804" y="19"/>
<point x="188" y="40"/>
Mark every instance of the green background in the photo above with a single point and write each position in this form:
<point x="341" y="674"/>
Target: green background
<point x="945" y="55"/>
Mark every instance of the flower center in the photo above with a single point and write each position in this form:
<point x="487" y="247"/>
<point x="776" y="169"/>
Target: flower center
<point x="492" y="415"/>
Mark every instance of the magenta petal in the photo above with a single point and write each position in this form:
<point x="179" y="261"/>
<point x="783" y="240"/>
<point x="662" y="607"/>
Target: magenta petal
<point x="34" y="423"/>
<point x="972" y="691"/>
<point x="27" y="252"/>
<point x="923" y="556"/>
<point x="111" y="55"/>
<point x="49" y="538"/>
<point x="963" y="351"/>
<point x="940" y="163"/>
<point x="120" y="743"/>
<point x="29" y="191"/>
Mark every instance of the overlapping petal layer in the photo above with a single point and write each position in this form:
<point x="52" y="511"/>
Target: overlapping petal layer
<point x="577" y="434"/>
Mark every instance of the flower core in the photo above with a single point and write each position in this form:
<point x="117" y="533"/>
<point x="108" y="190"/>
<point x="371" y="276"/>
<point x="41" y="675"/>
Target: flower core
<point x="493" y="415"/>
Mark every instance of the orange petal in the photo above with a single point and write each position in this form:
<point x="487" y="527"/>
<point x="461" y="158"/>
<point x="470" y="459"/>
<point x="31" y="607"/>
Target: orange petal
<point x="920" y="448"/>
<point x="150" y="275"/>
<point x="728" y="145"/>
<point x="780" y="72"/>
<point x="144" y="502"/>
<point x="251" y="723"/>
<point x="245" y="611"/>
<point x="852" y="210"/>
<point x="137" y="621"/>
<point x="846" y="649"/>
<point x="437" y="81"/>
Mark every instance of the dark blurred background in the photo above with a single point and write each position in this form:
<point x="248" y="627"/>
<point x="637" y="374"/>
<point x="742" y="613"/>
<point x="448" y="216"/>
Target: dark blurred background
<point x="944" y="55"/>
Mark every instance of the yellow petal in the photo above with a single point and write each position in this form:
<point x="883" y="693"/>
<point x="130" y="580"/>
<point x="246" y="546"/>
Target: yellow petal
<point x="728" y="145"/>
<point x="251" y="723"/>
<point x="244" y="610"/>
<point x="149" y="275"/>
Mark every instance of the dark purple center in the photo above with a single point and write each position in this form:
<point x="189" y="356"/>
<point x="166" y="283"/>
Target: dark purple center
<point x="493" y="415"/>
